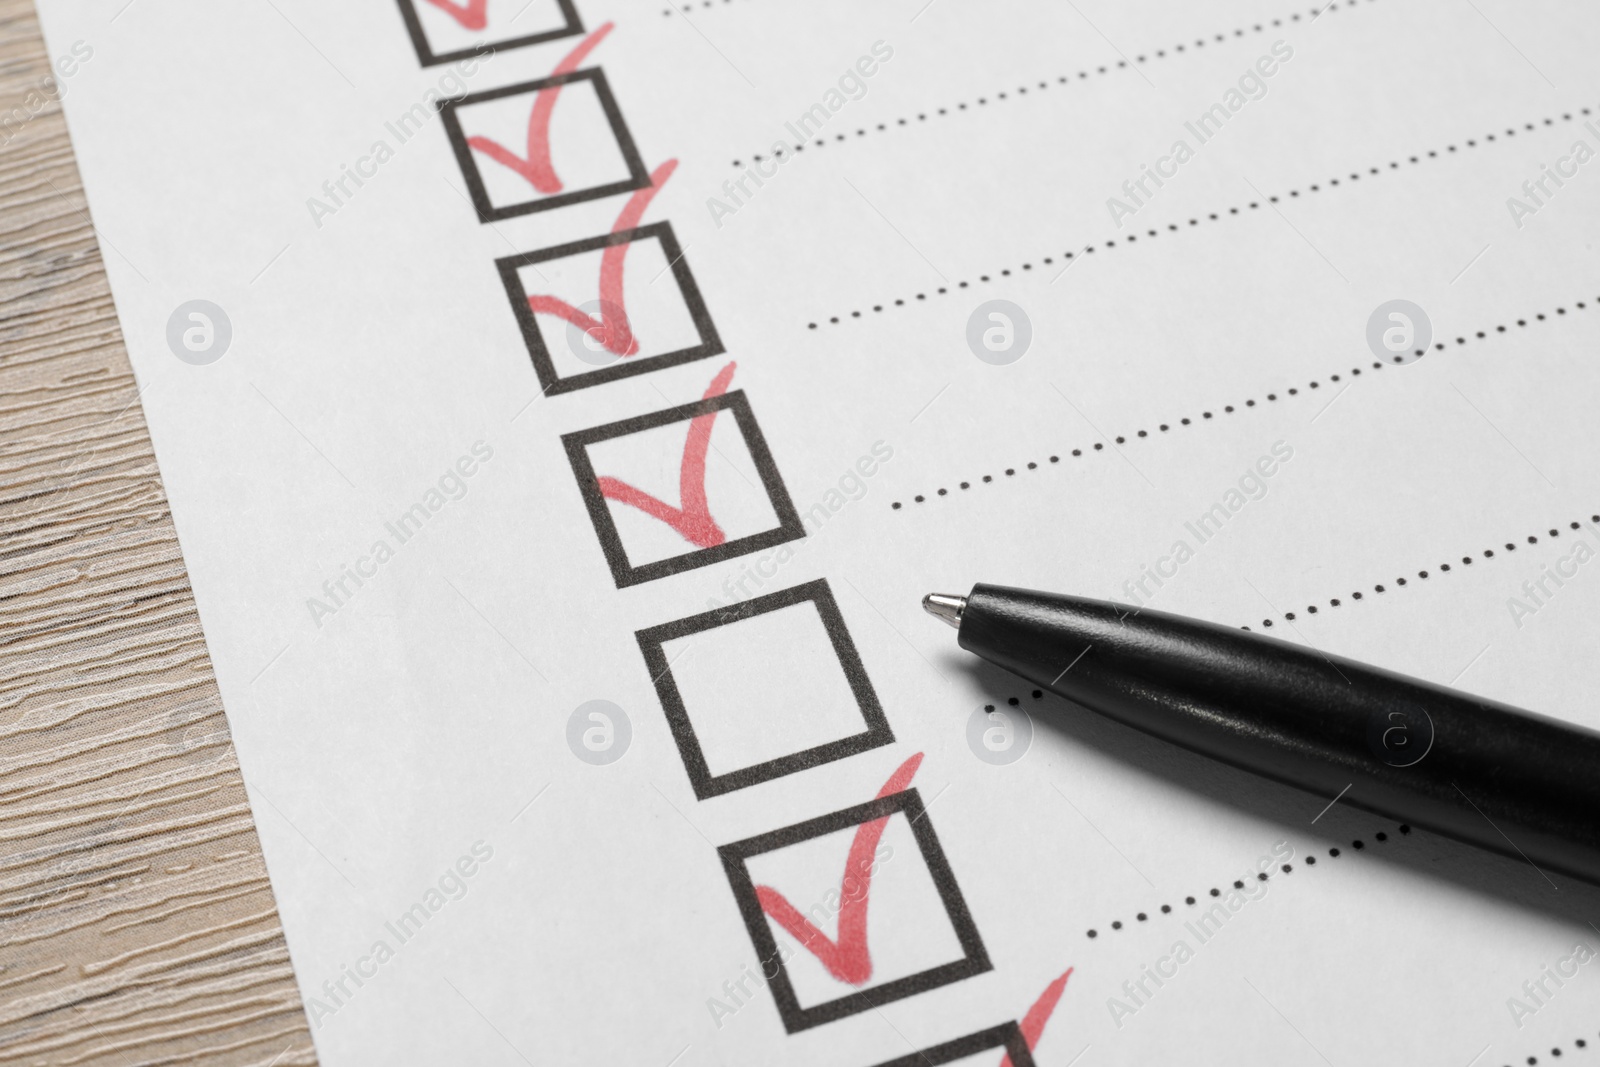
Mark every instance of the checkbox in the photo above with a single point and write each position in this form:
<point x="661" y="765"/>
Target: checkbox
<point x="542" y="145"/>
<point x="581" y="334"/>
<point x="893" y="926"/>
<point x="763" y="689"/>
<point x="682" y="488"/>
<point x="972" y="1050"/>
<point x="444" y="31"/>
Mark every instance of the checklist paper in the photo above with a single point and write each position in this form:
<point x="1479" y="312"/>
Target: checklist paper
<point x="564" y="407"/>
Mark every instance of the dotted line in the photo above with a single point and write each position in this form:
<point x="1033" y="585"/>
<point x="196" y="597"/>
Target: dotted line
<point x="1068" y="258"/>
<point x="1043" y="84"/>
<point x="1286" y="868"/>
<point x="1334" y="852"/>
<point x="1099" y="446"/>
<point x="1556" y="1051"/>
<point x="1466" y="561"/>
<point x="685" y="8"/>
<point x="1229" y="409"/>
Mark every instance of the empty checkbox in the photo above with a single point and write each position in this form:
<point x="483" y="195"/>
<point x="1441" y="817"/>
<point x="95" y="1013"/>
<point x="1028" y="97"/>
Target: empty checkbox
<point x="763" y="689"/>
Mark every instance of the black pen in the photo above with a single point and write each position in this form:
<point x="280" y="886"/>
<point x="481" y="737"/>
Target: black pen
<point x="1511" y="781"/>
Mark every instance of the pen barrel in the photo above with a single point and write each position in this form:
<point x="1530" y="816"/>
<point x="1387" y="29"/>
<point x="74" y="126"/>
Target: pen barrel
<point x="1511" y="781"/>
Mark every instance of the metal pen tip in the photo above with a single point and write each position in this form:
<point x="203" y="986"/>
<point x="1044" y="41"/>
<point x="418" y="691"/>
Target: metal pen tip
<point x="946" y="607"/>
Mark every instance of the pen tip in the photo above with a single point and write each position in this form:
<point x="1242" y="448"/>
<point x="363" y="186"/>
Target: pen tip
<point x="946" y="607"/>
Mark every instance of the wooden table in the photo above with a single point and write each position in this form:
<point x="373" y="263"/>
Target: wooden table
<point x="136" y="922"/>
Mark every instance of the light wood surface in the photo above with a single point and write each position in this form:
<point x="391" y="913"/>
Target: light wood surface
<point x="136" y="922"/>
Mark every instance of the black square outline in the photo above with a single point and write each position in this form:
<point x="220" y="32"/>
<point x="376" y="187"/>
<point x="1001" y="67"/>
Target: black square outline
<point x="975" y="960"/>
<point x="789" y="527"/>
<point x="1007" y="1036"/>
<point x="706" y="784"/>
<point x="638" y="177"/>
<point x="425" y="53"/>
<point x="552" y="382"/>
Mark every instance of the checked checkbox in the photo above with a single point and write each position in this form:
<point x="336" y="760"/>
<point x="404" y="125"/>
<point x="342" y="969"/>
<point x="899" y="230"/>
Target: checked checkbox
<point x="444" y="31"/>
<point x="709" y="457"/>
<point x="763" y="689"/>
<point x="854" y="909"/>
<point x="609" y="307"/>
<point x="542" y="144"/>
<point x="973" y="1050"/>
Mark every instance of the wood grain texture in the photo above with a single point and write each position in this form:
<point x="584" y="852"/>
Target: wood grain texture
<point x="136" y="922"/>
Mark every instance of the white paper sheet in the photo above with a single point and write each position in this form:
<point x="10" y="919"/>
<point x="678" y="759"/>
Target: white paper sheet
<point x="424" y="542"/>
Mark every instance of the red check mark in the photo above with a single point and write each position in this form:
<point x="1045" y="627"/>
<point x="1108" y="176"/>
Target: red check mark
<point x="693" y="519"/>
<point x="848" y="958"/>
<point x="470" y="14"/>
<point x="612" y="328"/>
<point x="536" y="166"/>
<point x="1033" y="1022"/>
